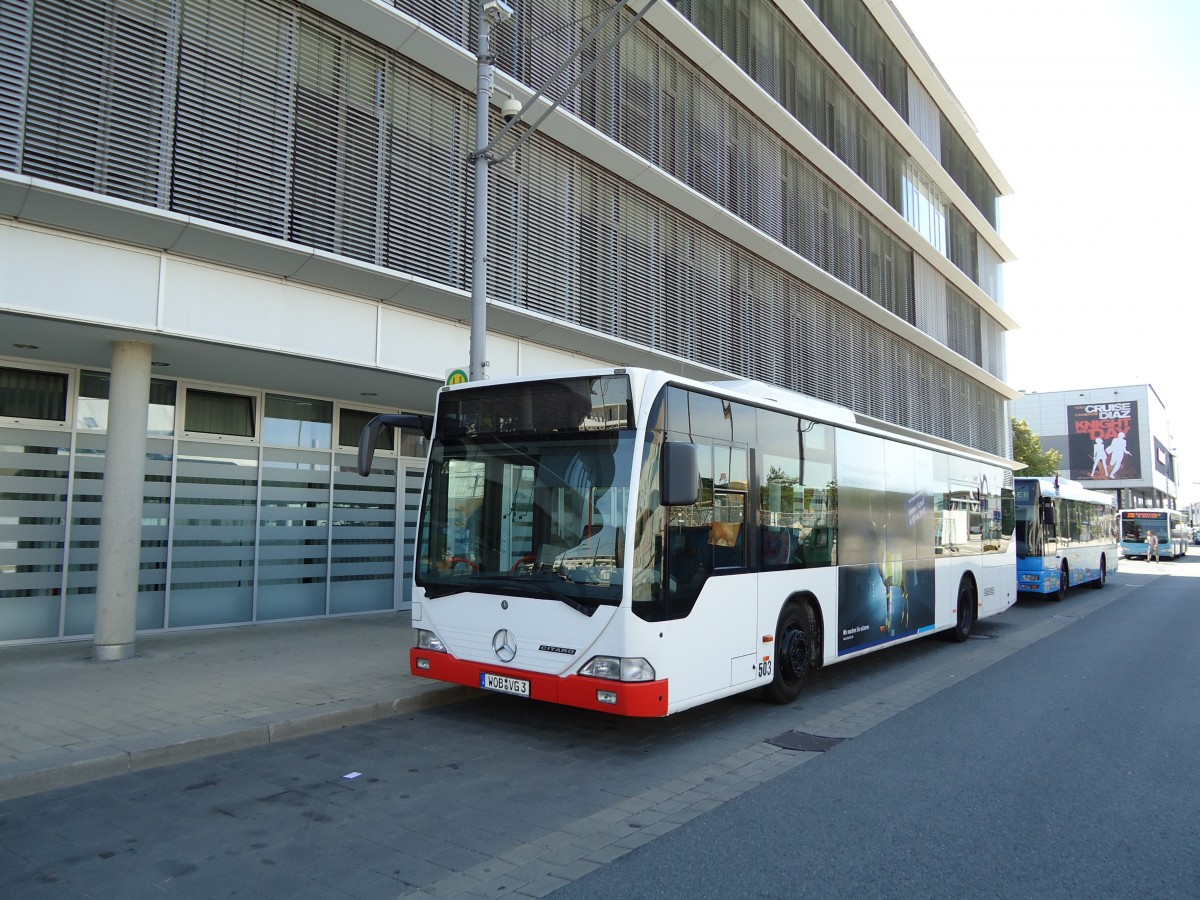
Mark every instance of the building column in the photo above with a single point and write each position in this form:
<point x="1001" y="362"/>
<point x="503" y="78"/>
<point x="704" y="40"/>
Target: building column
<point x="121" y="504"/>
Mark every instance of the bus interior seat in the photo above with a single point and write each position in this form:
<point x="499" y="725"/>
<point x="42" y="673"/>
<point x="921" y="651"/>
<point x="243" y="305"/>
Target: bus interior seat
<point x="781" y="547"/>
<point x="726" y="541"/>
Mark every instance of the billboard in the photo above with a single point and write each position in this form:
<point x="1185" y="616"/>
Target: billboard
<point x="1103" y="441"/>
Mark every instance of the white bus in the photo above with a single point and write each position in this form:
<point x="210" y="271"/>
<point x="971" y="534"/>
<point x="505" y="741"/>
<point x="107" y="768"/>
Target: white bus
<point x="637" y="543"/>
<point x="1066" y="535"/>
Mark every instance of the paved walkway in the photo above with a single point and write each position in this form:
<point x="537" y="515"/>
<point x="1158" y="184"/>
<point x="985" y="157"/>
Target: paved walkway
<point x="66" y="719"/>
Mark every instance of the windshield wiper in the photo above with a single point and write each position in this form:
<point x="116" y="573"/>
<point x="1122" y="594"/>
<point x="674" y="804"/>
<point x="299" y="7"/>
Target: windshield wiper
<point x="436" y="589"/>
<point x="514" y="587"/>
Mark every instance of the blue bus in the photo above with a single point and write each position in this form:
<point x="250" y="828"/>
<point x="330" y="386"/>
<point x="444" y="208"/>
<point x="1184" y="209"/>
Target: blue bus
<point x="1169" y="524"/>
<point x="1066" y="535"/>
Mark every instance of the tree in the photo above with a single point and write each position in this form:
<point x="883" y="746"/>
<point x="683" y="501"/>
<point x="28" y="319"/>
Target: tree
<point x="1027" y="448"/>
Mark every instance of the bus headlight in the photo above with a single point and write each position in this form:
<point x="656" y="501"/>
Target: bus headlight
<point x="427" y="640"/>
<point x="616" y="668"/>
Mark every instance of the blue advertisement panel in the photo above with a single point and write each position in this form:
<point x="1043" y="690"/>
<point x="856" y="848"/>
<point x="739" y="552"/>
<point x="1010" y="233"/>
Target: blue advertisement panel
<point x="884" y="602"/>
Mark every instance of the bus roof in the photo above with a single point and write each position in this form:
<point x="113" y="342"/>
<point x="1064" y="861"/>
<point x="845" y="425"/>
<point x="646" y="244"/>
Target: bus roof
<point x="768" y="396"/>
<point x="1069" y="490"/>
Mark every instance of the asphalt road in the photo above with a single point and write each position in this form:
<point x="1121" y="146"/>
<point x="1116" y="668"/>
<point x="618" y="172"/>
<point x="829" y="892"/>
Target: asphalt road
<point x="1053" y="756"/>
<point x="1069" y="769"/>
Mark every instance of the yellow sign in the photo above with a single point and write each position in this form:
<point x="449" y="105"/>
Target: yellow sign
<point x="457" y="376"/>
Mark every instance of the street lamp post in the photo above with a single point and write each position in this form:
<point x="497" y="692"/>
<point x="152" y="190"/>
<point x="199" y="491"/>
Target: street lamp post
<point x="492" y="12"/>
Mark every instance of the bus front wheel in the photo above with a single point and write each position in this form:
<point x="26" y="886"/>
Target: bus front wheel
<point x="1099" y="582"/>
<point x="794" y="653"/>
<point x="1064" y="582"/>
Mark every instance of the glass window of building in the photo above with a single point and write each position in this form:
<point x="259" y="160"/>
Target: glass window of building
<point x="298" y="422"/>
<point x="214" y="412"/>
<point x="352" y="421"/>
<point x="91" y="411"/>
<point x="26" y="394"/>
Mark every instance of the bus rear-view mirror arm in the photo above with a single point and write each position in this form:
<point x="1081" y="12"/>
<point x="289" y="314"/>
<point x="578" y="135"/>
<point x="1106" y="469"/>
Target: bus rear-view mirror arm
<point x="370" y="434"/>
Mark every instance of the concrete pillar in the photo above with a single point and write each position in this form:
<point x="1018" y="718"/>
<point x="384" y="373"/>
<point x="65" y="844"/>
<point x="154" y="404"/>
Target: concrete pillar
<point x="121" y="506"/>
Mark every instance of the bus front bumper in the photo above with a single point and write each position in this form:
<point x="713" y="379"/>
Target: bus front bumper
<point x="646" y="699"/>
<point x="1045" y="582"/>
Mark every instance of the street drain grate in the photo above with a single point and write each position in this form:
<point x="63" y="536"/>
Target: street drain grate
<point x="982" y="637"/>
<point x="810" y="743"/>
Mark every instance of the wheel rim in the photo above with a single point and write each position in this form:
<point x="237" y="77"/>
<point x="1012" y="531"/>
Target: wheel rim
<point x="794" y="652"/>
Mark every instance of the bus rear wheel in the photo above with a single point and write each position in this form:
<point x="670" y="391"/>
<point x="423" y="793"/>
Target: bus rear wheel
<point x="794" y="653"/>
<point x="1099" y="582"/>
<point x="966" y="613"/>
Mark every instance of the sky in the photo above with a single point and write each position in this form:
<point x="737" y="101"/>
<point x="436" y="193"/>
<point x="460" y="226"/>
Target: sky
<point x="1092" y="112"/>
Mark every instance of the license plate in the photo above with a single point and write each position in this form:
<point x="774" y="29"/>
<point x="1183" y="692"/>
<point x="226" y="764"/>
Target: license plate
<point x="504" y="684"/>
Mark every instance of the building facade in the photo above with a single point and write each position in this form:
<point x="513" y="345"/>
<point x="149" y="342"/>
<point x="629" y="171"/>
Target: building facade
<point x="1113" y="439"/>
<point x="249" y="223"/>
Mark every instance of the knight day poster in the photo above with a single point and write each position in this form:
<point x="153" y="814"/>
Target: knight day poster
<point x="1103" y="441"/>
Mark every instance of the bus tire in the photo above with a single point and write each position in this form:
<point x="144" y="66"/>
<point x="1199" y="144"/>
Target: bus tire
<point x="966" y="612"/>
<point x="1064" y="582"/>
<point x="795" y="648"/>
<point x="1099" y="582"/>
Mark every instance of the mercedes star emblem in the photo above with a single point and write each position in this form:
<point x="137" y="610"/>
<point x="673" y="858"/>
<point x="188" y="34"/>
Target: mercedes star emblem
<point x="504" y="645"/>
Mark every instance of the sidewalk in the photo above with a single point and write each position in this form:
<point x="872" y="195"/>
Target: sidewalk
<point x="66" y="719"/>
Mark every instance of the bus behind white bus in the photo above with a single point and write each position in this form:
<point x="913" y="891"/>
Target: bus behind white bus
<point x="636" y="543"/>
<point x="1066" y="535"/>
<point x="1168" y="525"/>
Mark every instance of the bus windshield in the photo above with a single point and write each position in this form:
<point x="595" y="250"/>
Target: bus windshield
<point x="1029" y="534"/>
<point x="1136" y="526"/>
<point x="528" y="492"/>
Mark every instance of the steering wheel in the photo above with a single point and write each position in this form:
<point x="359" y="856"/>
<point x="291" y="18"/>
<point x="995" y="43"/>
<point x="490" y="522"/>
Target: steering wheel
<point x="527" y="558"/>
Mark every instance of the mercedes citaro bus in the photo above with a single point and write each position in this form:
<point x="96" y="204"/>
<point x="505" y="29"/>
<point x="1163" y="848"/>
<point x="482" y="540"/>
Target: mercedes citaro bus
<point x="638" y="543"/>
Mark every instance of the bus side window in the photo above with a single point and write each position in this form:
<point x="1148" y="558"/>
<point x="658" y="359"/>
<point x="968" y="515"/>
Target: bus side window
<point x="1048" y="523"/>
<point x="781" y="492"/>
<point x="797" y="508"/>
<point x="729" y="507"/>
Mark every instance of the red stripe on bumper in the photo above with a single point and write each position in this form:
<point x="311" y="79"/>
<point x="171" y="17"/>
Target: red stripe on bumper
<point x="646" y="699"/>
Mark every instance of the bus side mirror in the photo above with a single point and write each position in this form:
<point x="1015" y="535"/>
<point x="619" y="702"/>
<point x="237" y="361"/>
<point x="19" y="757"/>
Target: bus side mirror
<point x="1048" y="515"/>
<point x="370" y="434"/>
<point x="680" y="474"/>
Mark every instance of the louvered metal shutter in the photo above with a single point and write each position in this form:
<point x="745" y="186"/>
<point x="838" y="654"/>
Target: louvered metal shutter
<point x="98" y="106"/>
<point x="930" y="300"/>
<point x="924" y="117"/>
<point x="336" y="183"/>
<point x="989" y="271"/>
<point x="233" y="120"/>
<point x="427" y="183"/>
<point x="15" y="25"/>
